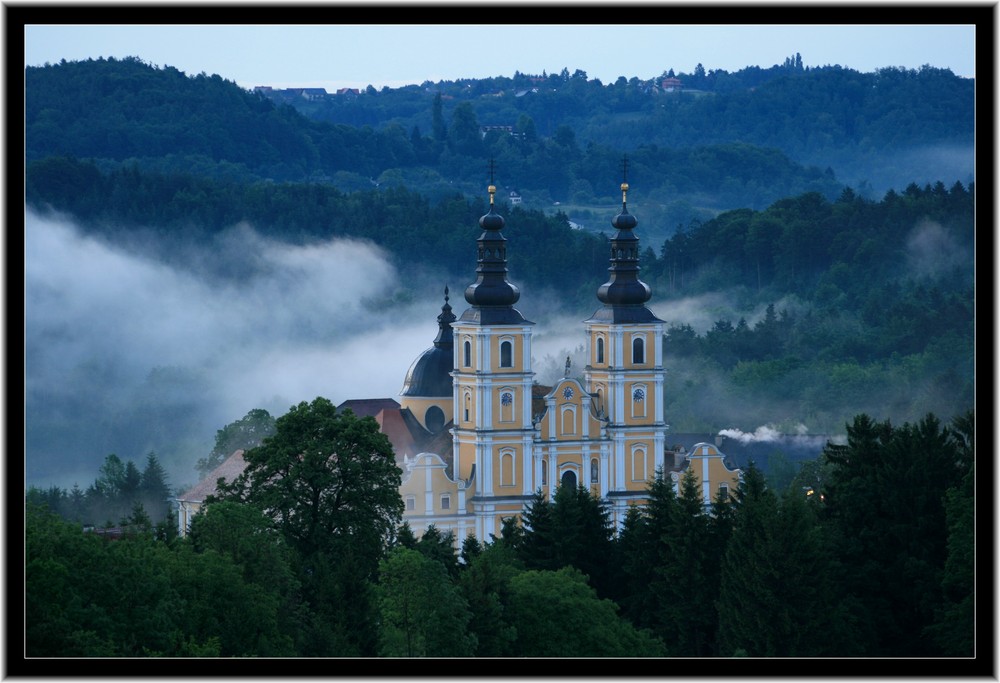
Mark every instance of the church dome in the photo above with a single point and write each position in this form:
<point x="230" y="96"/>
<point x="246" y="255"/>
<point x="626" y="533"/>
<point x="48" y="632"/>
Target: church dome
<point x="430" y="373"/>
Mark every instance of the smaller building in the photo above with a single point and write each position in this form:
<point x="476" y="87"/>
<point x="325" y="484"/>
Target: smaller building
<point x="709" y="465"/>
<point x="671" y="84"/>
<point x="190" y="502"/>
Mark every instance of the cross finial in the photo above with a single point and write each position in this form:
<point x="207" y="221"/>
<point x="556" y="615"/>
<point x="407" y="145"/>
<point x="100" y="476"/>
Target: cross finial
<point x="492" y="188"/>
<point x="624" y="178"/>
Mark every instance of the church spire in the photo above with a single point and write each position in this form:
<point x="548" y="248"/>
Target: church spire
<point x="445" y="338"/>
<point x="624" y="294"/>
<point x="492" y="296"/>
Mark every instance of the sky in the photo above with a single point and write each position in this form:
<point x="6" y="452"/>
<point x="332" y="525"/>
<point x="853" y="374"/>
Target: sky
<point x="342" y="55"/>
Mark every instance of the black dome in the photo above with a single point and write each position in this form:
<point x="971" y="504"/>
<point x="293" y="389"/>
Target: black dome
<point x="430" y="374"/>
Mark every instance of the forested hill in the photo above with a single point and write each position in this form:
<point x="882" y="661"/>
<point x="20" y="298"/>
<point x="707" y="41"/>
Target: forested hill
<point x="878" y="127"/>
<point x="789" y="298"/>
<point x="722" y="141"/>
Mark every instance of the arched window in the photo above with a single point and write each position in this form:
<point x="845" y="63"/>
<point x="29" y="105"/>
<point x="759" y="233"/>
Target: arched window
<point x="506" y="354"/>
<point x="545" y="473"/>
<point x="569" y="420"/>
<point x="507" y="468"/>
<point x="600" y="350"/>
<point x="594" y="471"/>
<point x="467" y="406"/>
<point x="568" y="479"/>
<point x="639" y="463"/>
<point x="467" y="353"/>
<point x="638" y="351"/>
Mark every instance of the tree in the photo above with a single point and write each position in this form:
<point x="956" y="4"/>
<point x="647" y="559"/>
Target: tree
<point x="573" y="530"/>
<point x="441" y="548"/>
<point x="776" y="595"/>
<point x="556" y="614"/>
<point x="438" y="129"/>
<point x="463" y="134"/>
<point x="328" y="481"/>
<point x="153" y="489"/>
<point x="422" y="614"/>
<point x="246" y="433"/>
<point x="885" y="511"/>
<point x="485" y="584"/>
<point x="685" y="578"/>
<point x="325" y="478"/>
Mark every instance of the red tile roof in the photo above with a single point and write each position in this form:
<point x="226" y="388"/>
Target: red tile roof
<point x="369" y="407"/>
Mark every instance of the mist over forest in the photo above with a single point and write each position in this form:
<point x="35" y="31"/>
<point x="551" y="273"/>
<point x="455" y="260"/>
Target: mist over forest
<point x="127" y="352"/>
<point x="154" y="345"/>
<point x="154" y="348"/>
<point x="217" y="251"/>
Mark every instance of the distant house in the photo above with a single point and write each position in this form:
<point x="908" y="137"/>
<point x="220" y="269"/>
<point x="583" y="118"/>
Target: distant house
<point x="348" y="91"/>
<point x="483" y="130"/>
<point x="670" y="84"/>
<point x="190" y="502"/>
<point x="314" y="93"/>
<point x="514" y="197"/>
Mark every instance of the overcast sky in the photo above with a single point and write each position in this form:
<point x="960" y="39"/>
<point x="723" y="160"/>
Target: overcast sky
<point x="335" y="56"/>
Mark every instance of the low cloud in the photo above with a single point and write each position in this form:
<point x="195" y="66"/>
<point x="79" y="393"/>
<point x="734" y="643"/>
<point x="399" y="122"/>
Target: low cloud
<point x="121" y="343"/>
<point x="930" y="251"/>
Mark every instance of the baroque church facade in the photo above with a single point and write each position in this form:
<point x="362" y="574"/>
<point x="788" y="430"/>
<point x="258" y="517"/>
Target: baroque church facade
<point x="477" y="437"/>
<point x="511" y="438"/>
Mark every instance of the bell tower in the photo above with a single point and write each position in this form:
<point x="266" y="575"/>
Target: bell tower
<point x="493" y="432"/>
<point x="625" y="369"/>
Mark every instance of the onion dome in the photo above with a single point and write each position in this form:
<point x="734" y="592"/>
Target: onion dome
<point x="430" y="373"/>
<point x="492" y="296"/>
<point x="624" y="295"/>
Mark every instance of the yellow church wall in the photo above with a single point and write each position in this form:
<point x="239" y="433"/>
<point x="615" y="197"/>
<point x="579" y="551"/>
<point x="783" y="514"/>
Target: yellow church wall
<point x="508" y="469"/>
<point x="467" y="406"/>
<point x="466" y="457"/>
<point x="460" y="339"/>
<point x="639" y="463"/>
<point x="570" y="416"/>
<point x="419" y="406"/>
<point x="647" y="350"/>
<point x="507" y="416"/>
<point x="709" y="467"/>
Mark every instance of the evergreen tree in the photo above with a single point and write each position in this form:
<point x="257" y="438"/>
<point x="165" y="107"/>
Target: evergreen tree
<point x="572" y="530"/>
<point x="153" y="489"/>
<point x="684" y="577"/>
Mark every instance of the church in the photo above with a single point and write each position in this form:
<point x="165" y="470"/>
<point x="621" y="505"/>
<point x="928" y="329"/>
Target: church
<point x="477" y="438"/>
<point x="510" y="437"/>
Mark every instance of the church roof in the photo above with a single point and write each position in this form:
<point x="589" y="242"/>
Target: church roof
<point x="369" y="407"/>
<point x="229" y="469"/>
<point x="492" y="296"/>
<point x="624" y="295"/>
